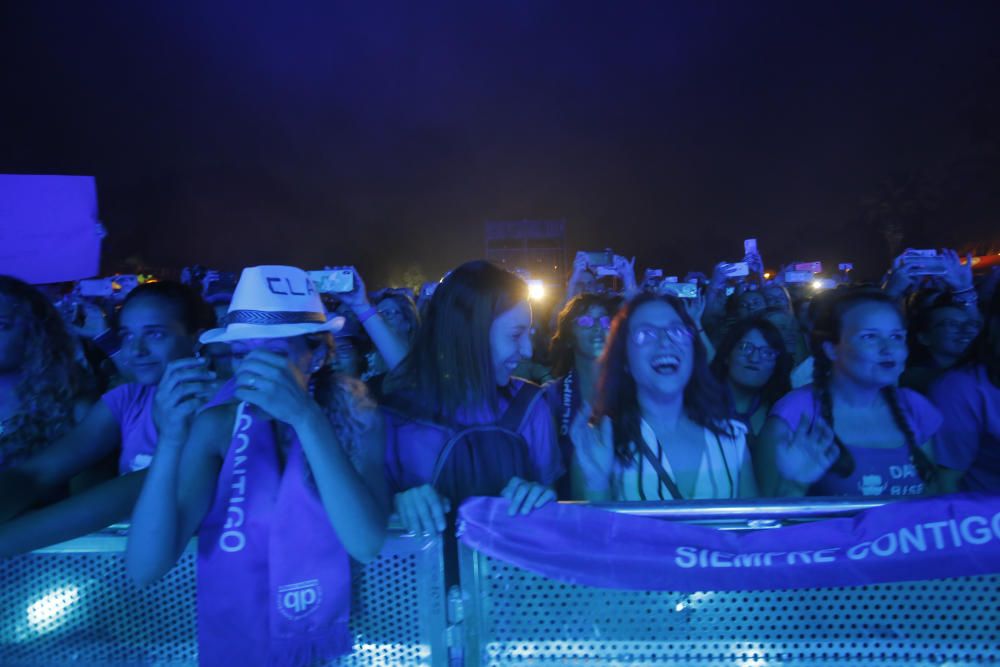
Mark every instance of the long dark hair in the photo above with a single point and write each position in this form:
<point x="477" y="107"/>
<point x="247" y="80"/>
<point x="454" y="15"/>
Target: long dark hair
<point x="827" y="329"/>
<point x="450" y="367"/>
<point x="50" y="378"/>
<point x="617" y="396"/>
<point x="563" y="342"/>
<point x="779" y="383"/>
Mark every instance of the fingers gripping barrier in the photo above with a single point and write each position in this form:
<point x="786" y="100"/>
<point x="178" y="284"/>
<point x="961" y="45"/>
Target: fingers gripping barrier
<point x="73" y="604"/>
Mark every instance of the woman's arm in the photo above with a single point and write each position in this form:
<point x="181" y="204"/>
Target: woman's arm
<point x="168" y="512"/>
<point x="270" y="382"/>
<point x="90" y="441"/>
<point x="593" y="458"/>
<point x="357" y="511"/>
<point x="392" y="347"/>
<point x="96" y="508"/>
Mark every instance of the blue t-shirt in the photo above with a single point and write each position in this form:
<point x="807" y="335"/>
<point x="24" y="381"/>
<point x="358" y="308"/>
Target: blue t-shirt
<point x="878" y="471"/>
<point x="969" y="438"/>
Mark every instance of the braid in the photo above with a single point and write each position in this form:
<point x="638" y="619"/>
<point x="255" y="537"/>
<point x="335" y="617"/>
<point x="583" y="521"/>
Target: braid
<point x="920" y="460"/>
<point x="822" y="369"/>
<point x="844" y="465"/>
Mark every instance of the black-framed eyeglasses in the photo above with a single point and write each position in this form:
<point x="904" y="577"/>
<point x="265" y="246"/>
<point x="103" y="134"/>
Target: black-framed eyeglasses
<point x="648" y="334"/>
<point x="588" y="322"/>
<point x="764" y="352"/>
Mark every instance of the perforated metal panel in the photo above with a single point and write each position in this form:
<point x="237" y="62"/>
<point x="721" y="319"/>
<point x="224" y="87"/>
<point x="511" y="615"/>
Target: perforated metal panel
<point x="74" y="604"/>
<point x="516" y="617"/>
<point x="81" y="608"/>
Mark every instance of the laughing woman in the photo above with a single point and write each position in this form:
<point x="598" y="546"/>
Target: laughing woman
<point x="661" y="428"/>
<point x="276" y="478"/>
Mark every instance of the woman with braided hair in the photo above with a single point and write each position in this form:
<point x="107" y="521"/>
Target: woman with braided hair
<point x="852" y="432"/>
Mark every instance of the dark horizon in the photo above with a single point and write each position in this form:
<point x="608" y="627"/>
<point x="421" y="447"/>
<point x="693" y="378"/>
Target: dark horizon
<point x="386" y="135"/>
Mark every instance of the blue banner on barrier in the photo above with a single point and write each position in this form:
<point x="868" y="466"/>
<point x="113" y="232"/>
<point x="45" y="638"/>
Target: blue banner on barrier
<point x="936" y="538"/>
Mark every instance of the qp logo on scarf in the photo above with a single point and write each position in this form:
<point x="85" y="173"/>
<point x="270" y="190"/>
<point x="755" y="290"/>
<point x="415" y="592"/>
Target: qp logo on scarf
<point x="296" y="601"/>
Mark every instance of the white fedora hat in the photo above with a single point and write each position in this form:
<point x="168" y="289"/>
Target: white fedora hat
<point x="273" y="302"/>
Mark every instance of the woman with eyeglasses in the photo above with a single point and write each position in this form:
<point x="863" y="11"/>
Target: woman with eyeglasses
<point x="754" y="366"/>
<point x="852" y="432"/>
<point x="661" y="428"/>
<point x="968" y="445"/>
<point x="942" y="331"/>
<point x="581" y="332"/>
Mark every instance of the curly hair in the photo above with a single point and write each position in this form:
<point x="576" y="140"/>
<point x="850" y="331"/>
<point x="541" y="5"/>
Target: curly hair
<point x="344" y="400"/>
<point x="617" y="395"/>
<point x="50" y="377"/>
<point x="562" y="343"/>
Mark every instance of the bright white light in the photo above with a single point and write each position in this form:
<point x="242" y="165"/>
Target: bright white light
<point x="536" y="290"/>
<point x="46" y="612"/>
<point x="817" y="284"/>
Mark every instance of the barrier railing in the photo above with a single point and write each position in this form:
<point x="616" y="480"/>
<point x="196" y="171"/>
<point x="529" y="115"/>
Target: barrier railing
<point x="73" y="604"/>
<point x="512" y="616"/>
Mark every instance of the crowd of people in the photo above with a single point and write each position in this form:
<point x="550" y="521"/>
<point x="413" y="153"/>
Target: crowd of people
<point x="283" y="425"/>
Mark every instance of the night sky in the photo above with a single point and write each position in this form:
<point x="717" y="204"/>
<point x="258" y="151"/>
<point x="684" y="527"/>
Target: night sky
<point x="385" y="134"/>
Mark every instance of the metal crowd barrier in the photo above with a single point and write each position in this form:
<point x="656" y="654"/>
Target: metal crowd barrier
<point x="73" y="604"/>
<point x="511" y="616"/>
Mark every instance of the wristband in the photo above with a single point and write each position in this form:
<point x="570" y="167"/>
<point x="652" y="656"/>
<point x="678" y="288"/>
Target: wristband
<point x="368" y="314"/>
<point x="964" y="291"/>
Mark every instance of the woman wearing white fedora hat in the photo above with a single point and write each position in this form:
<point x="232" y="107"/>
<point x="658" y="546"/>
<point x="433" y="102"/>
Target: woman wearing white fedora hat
<point x="278" y="481"/>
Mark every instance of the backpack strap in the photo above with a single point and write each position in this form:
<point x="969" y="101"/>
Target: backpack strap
<point x="520" y="407"/>
<point x="512" y="420"/>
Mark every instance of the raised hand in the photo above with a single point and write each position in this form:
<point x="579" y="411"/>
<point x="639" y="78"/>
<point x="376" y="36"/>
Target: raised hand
<point x="272" y="383"/>
<point x="593" y="448"/>
<point x="958" y="276"/>
<point x="808" y="454"/>
<point x="696" y="307"/>
<point x="626" y="269"/>
<point x="902" y="277"/>
<point x="186" y="385"/>
<point x="357" y="298"/>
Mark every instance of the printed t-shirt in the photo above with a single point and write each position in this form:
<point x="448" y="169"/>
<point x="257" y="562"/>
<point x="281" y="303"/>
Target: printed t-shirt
<point x="132" y="407"/>
<point x="969" y="438"/>
<point x="878" y="471"/>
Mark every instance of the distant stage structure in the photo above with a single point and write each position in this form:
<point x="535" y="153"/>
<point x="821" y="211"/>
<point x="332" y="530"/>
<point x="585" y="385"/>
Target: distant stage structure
<point x="537" y="247"/>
